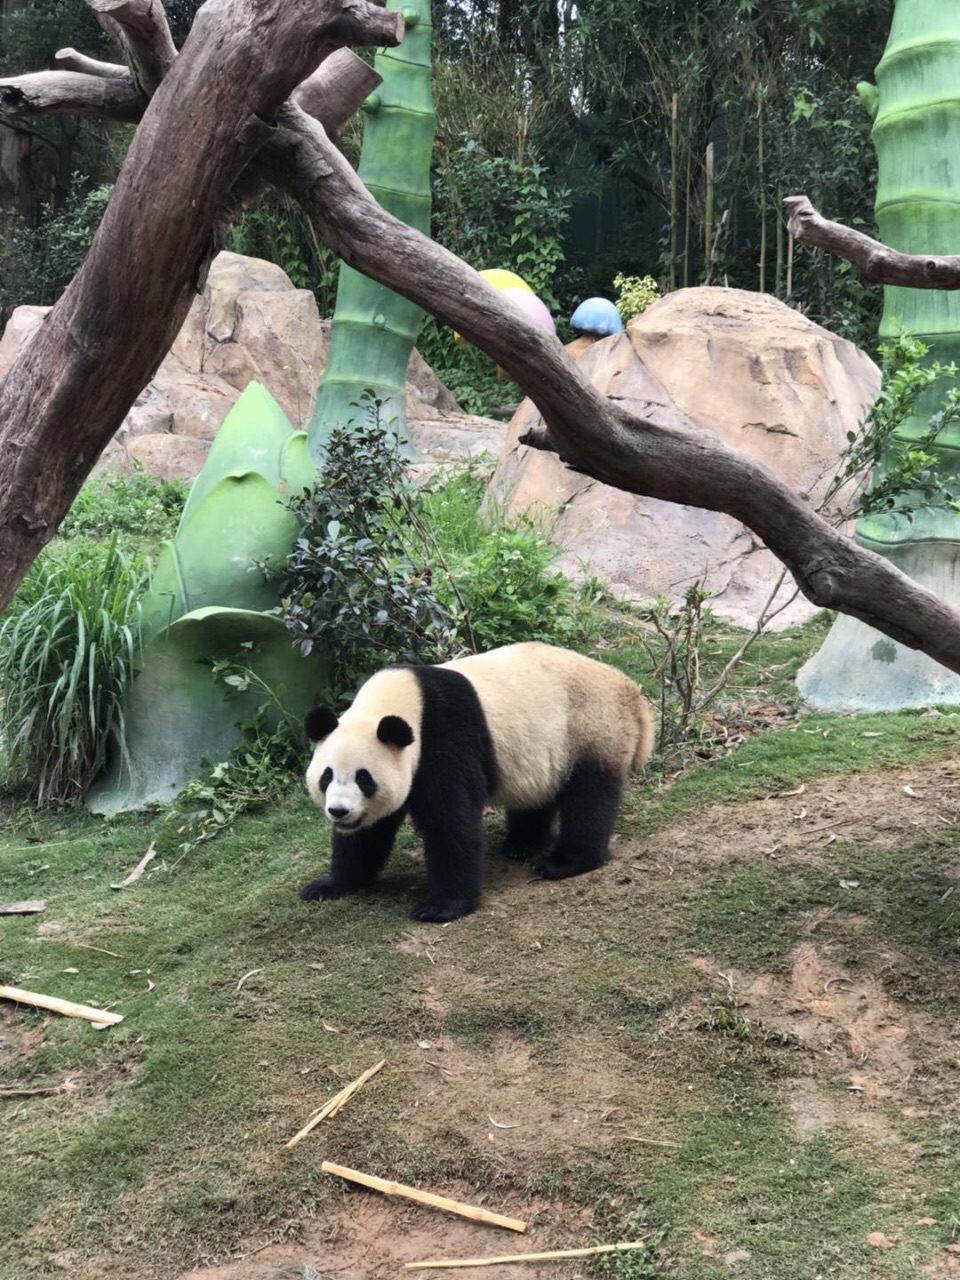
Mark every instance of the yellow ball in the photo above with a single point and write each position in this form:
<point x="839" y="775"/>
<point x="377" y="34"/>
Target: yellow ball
<point x="505" y="279"/>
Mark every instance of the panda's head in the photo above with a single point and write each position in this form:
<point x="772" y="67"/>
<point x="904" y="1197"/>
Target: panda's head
<point x="362" y="768"/>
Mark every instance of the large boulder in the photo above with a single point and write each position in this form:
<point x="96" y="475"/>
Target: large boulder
<point x="250" y="324"/>
<point x="759" y="375"/>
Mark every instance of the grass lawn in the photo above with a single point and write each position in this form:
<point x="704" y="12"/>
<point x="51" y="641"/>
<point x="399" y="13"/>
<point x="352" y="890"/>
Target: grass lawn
<point x="737" y="1039"/>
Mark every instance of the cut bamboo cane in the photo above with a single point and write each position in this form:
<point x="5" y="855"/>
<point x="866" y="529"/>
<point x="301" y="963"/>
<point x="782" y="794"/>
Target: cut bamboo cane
<point x="23" y="908"/>
<point x="423" y="1197"/>
<point x="333" y="1105"/>
<point x="56" y="1005"/>
<point x="526" y="1257"/>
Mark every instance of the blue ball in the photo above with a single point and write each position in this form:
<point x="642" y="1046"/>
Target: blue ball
<point x="596" y="315"/>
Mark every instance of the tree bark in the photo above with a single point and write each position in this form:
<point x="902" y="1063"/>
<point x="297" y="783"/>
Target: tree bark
<point x="877" y="263"/>
<point x="71" y="387"/>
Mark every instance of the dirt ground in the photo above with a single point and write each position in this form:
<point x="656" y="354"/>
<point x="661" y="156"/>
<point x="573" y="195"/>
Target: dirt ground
<point x="518" y="1108"/>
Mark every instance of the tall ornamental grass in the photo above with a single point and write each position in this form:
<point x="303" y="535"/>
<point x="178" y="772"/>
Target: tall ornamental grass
<point x="68" y="647"/>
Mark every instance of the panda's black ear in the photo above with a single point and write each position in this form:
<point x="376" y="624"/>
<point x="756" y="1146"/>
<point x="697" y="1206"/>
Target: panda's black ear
<point x="394" y="731"/>
<point x="320" y="723"/>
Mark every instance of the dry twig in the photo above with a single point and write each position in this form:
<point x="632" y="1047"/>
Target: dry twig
<point x="529" y="1257"/>
<point x="331" y="1107"/>
<point x="423" y="1197"/>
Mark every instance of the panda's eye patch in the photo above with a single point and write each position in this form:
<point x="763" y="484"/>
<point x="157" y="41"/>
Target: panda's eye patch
<point x="326" y="778"/>
<point x="365" y="782"/>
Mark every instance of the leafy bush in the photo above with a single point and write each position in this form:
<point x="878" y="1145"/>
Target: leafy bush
<point x="68" y="647"/>
<point x="359" y="581"/>
<point x="387" y="572"/>
<point x="509" y="591"/>
<point x="137" y="504"/>
<point x="635" y="294"/>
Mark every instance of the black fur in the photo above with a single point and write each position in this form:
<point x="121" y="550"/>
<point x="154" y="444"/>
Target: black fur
<point x="357" y="859"/>
<point x="319" y="723"/>
<point x="456" y="776"/>
<point x="529" y="832"/>
<point x="588" y="805"/>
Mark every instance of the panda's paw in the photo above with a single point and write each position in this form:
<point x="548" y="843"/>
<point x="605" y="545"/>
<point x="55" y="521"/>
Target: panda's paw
<point x="442" y="910"/>
<point x="321" y="889"/>
<point x="560" y="866"/>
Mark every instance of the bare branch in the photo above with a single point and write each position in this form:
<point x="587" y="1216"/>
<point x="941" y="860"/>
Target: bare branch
<point x="140" y="27"/>
<point x="70" y="60"/>
<point x="587" y="430"/>
<point x="337" y="89"/>
<point x="42" y="92"/>
<point x="875" y="261"/>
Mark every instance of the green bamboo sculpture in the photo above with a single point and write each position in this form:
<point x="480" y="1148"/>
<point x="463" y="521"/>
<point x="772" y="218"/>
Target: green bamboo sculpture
<point x="916" y="133"/>
<point x="208" y="602"/>
<point x="374" y="329"/>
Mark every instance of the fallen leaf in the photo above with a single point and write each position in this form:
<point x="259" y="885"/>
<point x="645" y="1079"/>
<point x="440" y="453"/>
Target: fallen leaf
<point x="879" y="1241"/>
<point x="871" y="735"/>
<point x="926" y="1222"/>
<point x="849" y="884"/>
<point x="909" y="791"/>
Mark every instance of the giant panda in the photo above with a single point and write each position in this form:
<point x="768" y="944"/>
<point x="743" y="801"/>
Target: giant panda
<point x="540" y="731"/>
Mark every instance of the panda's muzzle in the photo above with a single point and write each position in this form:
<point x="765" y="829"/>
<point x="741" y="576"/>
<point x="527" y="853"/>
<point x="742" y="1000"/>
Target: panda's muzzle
<point x="341" y="819"/>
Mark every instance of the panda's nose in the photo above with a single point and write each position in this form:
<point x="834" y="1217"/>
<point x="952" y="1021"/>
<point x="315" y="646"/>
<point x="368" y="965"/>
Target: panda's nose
<point x="336" y="812"/>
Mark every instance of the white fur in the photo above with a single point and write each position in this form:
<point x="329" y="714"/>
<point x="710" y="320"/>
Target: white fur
<point x="354" y="745"/>
<point x="547" y="708"/>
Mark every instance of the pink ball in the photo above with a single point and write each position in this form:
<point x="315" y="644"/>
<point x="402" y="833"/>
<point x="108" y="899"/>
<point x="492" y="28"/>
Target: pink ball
<point x="531" y="306"/>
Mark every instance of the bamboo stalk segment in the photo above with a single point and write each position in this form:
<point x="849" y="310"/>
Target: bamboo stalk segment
<point x="526" y="1257"/>
<point x="56" y="1005"/>
<point x="423" y="1197"/>
<point x="333" y="1105"/>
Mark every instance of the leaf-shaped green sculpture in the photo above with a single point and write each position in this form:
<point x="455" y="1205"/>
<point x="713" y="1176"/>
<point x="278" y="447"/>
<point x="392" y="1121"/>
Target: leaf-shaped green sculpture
<point x="208" y="601"/>
<point x="176" y="716"/>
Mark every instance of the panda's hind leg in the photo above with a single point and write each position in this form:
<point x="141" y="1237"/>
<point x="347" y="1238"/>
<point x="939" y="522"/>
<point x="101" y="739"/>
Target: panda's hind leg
<point x="529" y="832"/>
<point x="589" y="805"/>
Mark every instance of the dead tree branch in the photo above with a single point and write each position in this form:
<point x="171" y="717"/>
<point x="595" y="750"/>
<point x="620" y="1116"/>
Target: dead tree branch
<point x="875" y="261"/>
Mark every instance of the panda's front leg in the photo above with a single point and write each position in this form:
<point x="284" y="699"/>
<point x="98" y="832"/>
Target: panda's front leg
<point x="358" y="858"/>
<point x="453" y="849"/>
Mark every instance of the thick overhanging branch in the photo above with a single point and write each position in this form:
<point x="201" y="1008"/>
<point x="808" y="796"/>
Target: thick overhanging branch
<point x="586" y="429"/>
<point x="877" y="263"/>
<point x="23" y="98"/>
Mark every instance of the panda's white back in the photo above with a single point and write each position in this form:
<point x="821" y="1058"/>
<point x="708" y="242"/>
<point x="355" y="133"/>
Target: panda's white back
<point x="548" y="708"/>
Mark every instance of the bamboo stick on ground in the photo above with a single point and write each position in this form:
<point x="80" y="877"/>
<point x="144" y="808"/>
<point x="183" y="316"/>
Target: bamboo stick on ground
<point x="56" y="1005"/>
<point x="527" y="1257"/>
<point x="423" y="1197"/>
<point x="333" y="1105"/>
<point x="23" y="908"/>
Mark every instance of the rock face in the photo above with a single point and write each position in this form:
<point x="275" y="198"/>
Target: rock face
<point x="250" y="323"/>
<point x="743" y="365"/>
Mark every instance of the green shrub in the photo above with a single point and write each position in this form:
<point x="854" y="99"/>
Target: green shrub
<point x="359" y="581"/>
<point x="68" y="646"/>
<point x="137" y="504"/>
<point x="509" y="590"/>
<point x="635" y="294"/>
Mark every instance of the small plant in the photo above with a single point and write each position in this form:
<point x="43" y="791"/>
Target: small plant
<point x="257" y="772"/>
<point x="635" y="294"/>
<point x="68" y="647"/>
<point x="631" y="1264"/>
<point x="884" y="473"/>
<point x="676" y="664"/>
<point x="137" y="504"/>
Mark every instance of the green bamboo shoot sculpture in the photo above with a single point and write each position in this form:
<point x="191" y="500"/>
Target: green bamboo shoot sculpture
<point x="374" y="329"/>
<point x="916" y="133"/>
